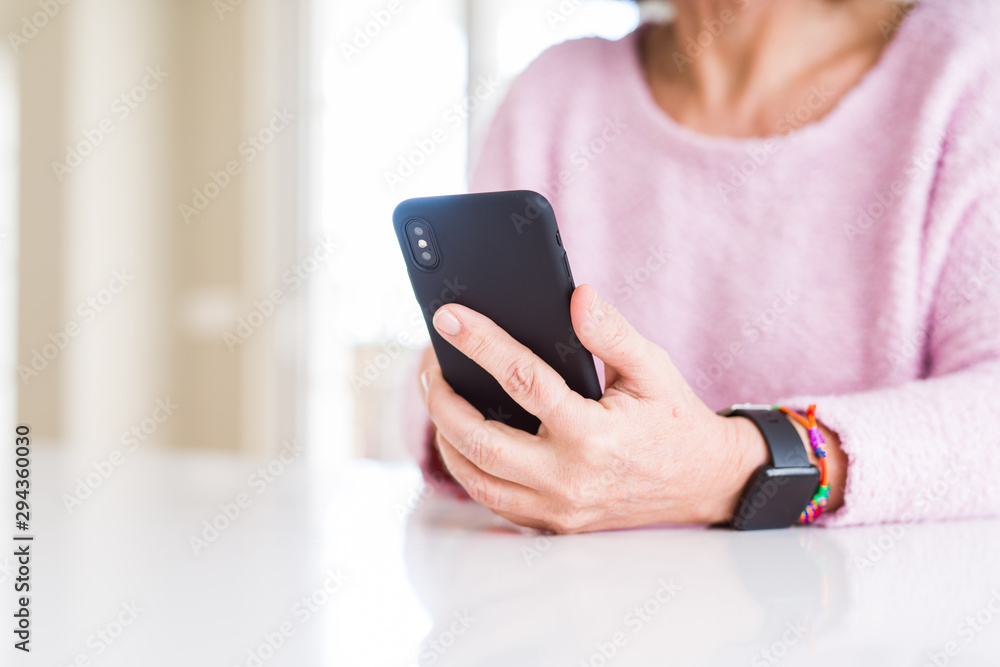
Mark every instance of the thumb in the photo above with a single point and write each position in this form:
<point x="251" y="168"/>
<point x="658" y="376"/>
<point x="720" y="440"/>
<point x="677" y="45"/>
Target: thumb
<point x="628" y="357"/>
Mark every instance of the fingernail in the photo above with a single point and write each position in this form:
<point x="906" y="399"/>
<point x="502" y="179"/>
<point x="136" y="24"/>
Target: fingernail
<point x="597" y="308"/>
<point x="425" y="380"/>
<point x="447" y="323"/>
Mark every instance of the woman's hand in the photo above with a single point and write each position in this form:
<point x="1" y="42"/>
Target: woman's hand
<point x="428" y="360"/>
<point x="648" y="452"/>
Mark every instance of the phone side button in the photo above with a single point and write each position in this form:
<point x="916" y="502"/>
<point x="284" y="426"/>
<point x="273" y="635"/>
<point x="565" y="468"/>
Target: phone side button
<point x="569" y="274"/>
<point x="558" y="238"/>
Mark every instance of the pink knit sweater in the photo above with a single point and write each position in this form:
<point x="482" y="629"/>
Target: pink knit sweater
<point x="853" y="262"/>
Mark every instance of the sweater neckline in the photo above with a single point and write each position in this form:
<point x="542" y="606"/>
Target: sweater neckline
<point x="851" y="103"/>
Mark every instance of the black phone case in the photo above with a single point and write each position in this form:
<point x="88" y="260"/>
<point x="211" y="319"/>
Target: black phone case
<point x="500" y="254"/>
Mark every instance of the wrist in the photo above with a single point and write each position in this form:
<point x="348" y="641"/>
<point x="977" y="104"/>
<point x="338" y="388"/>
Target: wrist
<point x="746" y="450"/>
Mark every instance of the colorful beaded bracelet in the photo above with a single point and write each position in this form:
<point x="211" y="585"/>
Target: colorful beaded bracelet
<point x="819" y="501"/>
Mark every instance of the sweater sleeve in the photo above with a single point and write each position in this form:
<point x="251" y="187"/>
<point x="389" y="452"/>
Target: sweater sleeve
<point x="929" y="449"/>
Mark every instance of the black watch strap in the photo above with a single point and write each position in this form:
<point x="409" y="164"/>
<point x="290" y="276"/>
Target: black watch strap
<point x="778" y="491"/>
<point x="783" y="441"/>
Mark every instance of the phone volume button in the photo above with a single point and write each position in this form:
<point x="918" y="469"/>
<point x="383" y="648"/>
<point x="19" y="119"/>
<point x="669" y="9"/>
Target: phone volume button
<point x="558" y="239"/>
<point x="569" y="274"/>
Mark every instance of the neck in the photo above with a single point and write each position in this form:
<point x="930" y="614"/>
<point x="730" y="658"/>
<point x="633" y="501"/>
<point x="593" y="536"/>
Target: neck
<point x="729" y="56"/>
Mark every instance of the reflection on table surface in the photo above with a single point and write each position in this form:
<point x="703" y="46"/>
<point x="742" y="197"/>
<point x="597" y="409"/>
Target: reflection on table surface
<point x="362" y="566"/>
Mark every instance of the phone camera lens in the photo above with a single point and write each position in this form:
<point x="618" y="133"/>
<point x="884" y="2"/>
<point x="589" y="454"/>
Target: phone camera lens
<point x="419" y="235"/>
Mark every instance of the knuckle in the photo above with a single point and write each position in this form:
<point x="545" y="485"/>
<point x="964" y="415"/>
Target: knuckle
<point x="565" y="522"/>
<point x="616" y="335"/>
<point x="485" y="492"/>
<point x="577" y="493"/>
<point x="477" y="346"/>
<point x="602" y="479"/>
<point x="520" y="379"/>
<point x="478" y="448"/>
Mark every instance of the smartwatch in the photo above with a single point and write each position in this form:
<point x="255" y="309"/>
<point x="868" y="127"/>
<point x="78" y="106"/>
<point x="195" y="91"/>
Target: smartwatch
<point x="777" y="491"/>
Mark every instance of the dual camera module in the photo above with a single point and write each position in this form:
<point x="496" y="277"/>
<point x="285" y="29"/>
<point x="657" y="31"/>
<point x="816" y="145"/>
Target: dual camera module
<point x="422" y="245"/>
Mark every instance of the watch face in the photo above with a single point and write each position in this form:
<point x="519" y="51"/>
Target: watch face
<point x="775" y="497"/>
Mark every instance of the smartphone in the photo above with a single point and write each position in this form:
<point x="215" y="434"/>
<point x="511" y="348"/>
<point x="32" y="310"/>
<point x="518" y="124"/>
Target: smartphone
<point x="500" y="254"/>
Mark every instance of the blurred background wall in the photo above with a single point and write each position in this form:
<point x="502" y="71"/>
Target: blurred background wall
<point x="195" y="199"/>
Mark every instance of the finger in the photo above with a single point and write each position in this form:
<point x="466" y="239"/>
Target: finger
<point x="428" y="359"/>
<point x="496" y="494"/>
<point x="497" y="449"/>
<point x="532" y="383"/>
<point x="631" y="362"/>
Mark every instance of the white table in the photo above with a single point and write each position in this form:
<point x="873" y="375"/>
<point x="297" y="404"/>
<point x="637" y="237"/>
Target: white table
<point x="449" y="584"/>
